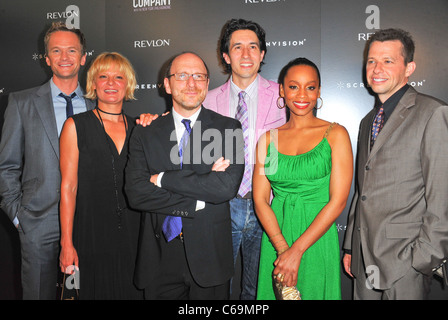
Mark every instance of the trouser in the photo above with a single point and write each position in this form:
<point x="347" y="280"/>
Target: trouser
<point x="246" y="235"/>
<point x="412" y="286"/>
<point x="174" y="280"/>
<point x="40" y="251"/>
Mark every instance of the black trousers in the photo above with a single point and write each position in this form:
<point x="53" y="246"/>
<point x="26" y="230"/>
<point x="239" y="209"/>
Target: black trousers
<point x="174" y="280"/>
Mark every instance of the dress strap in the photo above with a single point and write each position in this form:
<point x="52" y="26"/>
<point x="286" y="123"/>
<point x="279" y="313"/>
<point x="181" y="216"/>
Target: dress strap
<point x="329" y="129"/>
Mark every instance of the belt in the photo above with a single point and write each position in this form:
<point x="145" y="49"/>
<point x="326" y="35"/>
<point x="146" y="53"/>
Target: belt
<point x="247" y="196"/>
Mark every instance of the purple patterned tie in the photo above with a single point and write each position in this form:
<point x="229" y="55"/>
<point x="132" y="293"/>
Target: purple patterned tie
<point x="377" y="125"/>
<point x="172" y="226"/>
<point x="243" y="116"/>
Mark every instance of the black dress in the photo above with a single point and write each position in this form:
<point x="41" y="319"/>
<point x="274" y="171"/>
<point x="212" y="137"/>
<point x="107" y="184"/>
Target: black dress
<point x="106" y="241"/>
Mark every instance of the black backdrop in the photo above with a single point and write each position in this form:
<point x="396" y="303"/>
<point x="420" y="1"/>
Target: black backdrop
<point x="332" y="33"/>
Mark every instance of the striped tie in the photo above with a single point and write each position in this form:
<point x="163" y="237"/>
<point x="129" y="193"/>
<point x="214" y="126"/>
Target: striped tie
<point x="243" y="116"/>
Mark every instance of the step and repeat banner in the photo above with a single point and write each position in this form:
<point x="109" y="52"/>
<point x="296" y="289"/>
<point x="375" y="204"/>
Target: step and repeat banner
<point x="332" y="33"/>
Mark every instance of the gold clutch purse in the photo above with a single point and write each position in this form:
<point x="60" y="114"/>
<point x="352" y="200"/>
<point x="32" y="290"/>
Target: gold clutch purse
<point x="285" y="293"/>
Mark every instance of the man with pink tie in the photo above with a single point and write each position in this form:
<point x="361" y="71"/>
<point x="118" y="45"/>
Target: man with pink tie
<point x="250" y="98"/>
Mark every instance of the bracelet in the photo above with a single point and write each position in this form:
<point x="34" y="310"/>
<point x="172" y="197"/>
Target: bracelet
<point x="281" y="240"/>
<point x="279" y="252"/>
<point x="275" y="235"/>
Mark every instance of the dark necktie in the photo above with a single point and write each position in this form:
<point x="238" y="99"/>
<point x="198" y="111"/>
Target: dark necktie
<point x="377" y="125"/>
<point x="172" y="226"/>
<point x="69" y="106"/>
<point x="242" y="115"/>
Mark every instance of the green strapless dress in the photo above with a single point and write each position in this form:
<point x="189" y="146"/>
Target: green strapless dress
<point x="301" y="186"/>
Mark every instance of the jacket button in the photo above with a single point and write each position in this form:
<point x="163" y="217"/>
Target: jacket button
<point x="363" y="198"/>
<point x="367" y="168"/>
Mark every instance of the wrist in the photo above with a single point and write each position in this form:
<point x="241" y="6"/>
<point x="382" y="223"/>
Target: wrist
<point x="281" y="249"/>
<point x="66" y="242"/>
<point x="298" y="248"/>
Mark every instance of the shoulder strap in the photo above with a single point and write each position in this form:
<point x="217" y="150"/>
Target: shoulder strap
<point x="327" y="132"/>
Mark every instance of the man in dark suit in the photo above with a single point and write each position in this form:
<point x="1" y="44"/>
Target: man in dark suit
<point x="29" y="159"/>
<point x="177" y="174"/>
<point x="397" y="232"/>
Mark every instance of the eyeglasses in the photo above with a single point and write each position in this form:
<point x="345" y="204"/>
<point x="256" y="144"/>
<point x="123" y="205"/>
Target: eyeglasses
<point x="185" y="76"/>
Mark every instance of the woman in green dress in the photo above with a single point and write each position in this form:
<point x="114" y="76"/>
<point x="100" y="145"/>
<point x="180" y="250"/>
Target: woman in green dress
<point x="308" y="165"/>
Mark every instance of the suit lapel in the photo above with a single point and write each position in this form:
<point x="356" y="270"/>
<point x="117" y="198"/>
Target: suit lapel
<point x="167" y="136"/>
<point x="89" y="104"/>
<point x="264" y="102"/>
<point x="45" y="109"/>
<point x="222" y="100"/>
<point x="396" y="119"/>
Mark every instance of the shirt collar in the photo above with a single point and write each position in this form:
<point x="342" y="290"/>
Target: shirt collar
<point x="178" y="118"/>
<point x="390" y="104"/>
<point x="251" y="90"/>
<point x="55" y="91"/>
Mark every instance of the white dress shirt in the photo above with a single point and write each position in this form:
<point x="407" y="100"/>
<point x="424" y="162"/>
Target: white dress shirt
<point x="180" y="129"/>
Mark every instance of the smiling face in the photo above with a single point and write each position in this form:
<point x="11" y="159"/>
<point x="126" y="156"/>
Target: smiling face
<point x="110" y="85"/>
<point x="64" y="55"/>
<point x="189" y="94"/>
<point x="385" y="69"/>
<point x="244" y="56"/>
<point x="300" y="89"/>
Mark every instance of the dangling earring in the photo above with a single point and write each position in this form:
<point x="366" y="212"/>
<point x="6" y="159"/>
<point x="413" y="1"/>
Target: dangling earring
<point x="278" y="104"/>
<point x="321" y="105"/>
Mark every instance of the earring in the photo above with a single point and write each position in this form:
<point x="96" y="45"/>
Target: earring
<point x="278" y="104"/>
<point x="321" y="105"/>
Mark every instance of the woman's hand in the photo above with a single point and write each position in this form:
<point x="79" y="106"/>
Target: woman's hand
<point x="287" y="267"/>
<point x="145" y="119"/>
<point x="68" y="258"/>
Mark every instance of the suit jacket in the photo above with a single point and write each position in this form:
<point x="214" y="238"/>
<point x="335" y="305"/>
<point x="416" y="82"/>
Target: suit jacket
<point x="29" y="157"/>
<point x="399" y="213"/>
<point x="269" y="116"/>
<point x="207" y="232"/>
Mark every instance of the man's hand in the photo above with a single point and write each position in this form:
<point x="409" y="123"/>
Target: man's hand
<point x="347" y="262"/>
<point x="221" y="164"/>
<point x="154" y="178"/>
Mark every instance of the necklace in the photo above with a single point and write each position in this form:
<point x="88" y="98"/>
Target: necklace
<point x="113" y="114"/>
<point x="119" y="209"/>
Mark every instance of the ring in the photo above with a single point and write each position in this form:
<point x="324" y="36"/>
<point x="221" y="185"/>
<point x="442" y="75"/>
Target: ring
<point x="280" y="277"/>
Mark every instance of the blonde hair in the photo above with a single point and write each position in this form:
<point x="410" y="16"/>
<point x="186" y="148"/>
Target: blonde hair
<point x="102" y="63"/>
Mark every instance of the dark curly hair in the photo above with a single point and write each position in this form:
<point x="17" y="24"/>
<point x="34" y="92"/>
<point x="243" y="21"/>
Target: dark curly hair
<point x="240" y="24"/>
